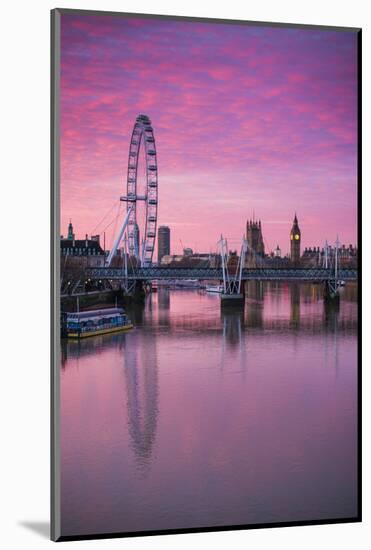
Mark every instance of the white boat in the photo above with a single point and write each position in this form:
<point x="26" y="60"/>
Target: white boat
<point x="187" y="283"/>
<point x="180" y="283"/>
<point x="214" y="288"/>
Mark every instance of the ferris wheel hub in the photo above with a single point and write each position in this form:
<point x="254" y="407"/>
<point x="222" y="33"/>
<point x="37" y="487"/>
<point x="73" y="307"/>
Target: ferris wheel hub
<point x="133" y="198"/>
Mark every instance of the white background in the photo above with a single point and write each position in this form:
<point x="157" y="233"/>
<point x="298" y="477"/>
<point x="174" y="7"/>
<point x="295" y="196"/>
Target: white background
<point x="24" y="305"/>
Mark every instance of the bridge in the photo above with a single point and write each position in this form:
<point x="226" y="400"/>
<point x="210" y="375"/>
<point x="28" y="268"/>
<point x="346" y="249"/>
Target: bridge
<point x="154" y="273"/>
<point x="232" y="272"/>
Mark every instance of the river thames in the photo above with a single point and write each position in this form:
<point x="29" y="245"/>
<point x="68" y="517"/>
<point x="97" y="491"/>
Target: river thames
<point x="200" y="418"/>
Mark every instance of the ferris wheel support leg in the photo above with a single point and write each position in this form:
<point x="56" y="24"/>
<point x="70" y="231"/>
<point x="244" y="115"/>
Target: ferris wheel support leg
<point x="118" y="238"/>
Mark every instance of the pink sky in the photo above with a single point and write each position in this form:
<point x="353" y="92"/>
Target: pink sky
<point x="246" y="119"/>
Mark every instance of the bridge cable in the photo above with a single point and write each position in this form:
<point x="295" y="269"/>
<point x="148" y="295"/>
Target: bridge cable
<point x="104" y="217"/>
<point x="111" y="222"/>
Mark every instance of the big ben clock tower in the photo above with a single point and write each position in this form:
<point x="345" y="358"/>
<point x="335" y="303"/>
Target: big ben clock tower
<point x="295" y="238"/>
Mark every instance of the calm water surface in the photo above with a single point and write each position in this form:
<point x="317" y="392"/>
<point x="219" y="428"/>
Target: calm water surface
<point x="199" y="418"/>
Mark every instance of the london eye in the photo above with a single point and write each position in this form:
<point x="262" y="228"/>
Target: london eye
<point x="141" y="196"/>
<point x="141" y="230"/>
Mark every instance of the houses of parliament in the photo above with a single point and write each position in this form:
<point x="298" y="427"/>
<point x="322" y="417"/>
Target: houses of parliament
<point x="310" y="257"/>
<point x="256" y="248"/>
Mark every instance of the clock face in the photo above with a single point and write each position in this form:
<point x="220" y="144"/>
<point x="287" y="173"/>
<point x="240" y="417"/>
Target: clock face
<point x="297" y="237"/>
<point x="291" y="236"/>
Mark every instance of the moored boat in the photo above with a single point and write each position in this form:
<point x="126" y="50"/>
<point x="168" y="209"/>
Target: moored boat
<point x="180" y="283"/>
<point x="214" y="288"/>
<point x="96" y="321"/>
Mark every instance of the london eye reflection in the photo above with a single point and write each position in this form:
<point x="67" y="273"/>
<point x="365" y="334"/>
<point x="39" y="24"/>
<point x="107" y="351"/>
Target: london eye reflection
<point x="140" y="368"/>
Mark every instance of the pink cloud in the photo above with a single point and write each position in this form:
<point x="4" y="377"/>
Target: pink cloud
<point x="263" y="117"/>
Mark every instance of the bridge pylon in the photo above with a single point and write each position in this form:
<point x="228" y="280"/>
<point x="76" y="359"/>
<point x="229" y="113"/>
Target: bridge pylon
<point x="332" y="284"/>
<point x="232" y="266"/>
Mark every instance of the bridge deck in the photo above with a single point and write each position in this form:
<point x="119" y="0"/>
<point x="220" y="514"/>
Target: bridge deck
<point x="208" y="273"/>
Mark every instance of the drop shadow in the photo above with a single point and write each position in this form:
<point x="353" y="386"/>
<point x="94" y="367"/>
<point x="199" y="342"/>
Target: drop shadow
<point x="42" y="528"/>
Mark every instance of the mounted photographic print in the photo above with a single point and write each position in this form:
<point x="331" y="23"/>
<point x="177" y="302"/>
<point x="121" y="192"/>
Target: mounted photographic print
<point x="206" y="274"/>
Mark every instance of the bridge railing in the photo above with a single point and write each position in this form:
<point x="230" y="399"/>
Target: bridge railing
<point x="206" y="273"/>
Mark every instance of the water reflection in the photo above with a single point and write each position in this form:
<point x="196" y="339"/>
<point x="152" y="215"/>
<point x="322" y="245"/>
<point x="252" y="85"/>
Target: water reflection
<point x="139" y="354"/>
<point x="207" y="417"/>
<point x="140" y="367"/>
<point x="295" y="305"/>
<point x="163" y="302"/>
<point x="95" y="346"/>
<point x="163" y="298"/>
<point x="233" y="322"/>
<point x="331" y="312"/>
<point x="256" y="289"/>
<point x="136" y="312"/>
<point x="254" y="292"/>
<point x="265" y="308"/>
